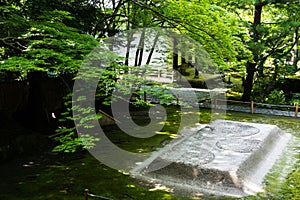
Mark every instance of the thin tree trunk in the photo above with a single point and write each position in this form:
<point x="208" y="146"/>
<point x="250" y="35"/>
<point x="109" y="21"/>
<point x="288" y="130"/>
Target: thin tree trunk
<point x="175" y="54"/>
<point x="296" y="50"/>
<point x="251" y="67"/>
<point x="139" y="47"/>
<point x="142" y="48"/>
<point x="129" y="38"/>
<point x="152" y="49"/>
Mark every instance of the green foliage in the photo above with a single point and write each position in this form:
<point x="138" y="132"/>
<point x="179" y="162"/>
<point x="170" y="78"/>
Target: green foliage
<point x="52" y="37"/>
<point x="271" y="35"/>
<point x="70" y="143"/>
<point x="50" y="47"/>
<point x="276" y="97"/>
<point x="12" y="26"/>
<point x="212" y="26"/>
<point x="237" y="88"/>
<point x="47" y="44"/>
<point x="77" y="11"/>
<point x="127" y="88"/>
<point x="295" y="99"/>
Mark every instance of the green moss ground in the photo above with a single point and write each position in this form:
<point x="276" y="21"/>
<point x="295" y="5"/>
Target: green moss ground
<point x="51" y="176"/>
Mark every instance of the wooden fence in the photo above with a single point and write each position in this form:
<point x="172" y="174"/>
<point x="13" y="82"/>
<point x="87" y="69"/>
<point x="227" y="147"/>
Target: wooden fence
<point x="253" y="106"/>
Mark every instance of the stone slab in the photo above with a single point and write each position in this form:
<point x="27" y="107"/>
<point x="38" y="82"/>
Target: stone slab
<point x="224" y="158"/>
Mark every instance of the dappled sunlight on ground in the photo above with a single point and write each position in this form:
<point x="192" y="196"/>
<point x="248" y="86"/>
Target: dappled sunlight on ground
<point x="60" y="176"/>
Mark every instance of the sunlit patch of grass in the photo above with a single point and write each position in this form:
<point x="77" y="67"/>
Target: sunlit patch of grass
<point x="234" y="95"/>
<point x="175" y="135"/>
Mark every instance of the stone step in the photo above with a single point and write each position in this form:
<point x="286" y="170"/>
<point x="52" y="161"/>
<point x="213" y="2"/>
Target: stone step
<point x="225" y="158"/>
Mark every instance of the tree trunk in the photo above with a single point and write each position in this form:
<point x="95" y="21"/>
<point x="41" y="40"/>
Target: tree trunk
<point x="152" y="49"/>
<point x="251" y="67"/>
<point x="129" y="39"/>
<point x="139" y="50"/>
<point x="296" y="50"/>
<point x="142" y="48"/>
<point x="175" y="54"/>
<point x="37" y="100"/>
<point x="248" y="83"/>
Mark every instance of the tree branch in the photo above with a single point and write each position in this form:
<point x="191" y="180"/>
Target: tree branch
<point x="114" y="13"/>
<point x="175" y="22"/>
<point x="10" y="41"/>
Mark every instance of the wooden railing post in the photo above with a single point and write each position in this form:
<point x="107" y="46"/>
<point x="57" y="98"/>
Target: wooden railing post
<point x="86" y="194"/>
<point x="158" y="75"/>
<point x="296" y="111"/>
<point x="252" y="107"/>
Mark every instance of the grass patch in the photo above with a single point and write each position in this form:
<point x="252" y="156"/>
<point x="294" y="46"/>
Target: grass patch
<point x="65" y="176"/>
<point x="67" y="180"/>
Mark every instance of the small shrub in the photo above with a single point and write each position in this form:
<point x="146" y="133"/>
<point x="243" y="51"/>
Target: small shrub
<point x="295" y="99"/>
<point x="276" y="97"/>
<point x="237" y="88"/>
